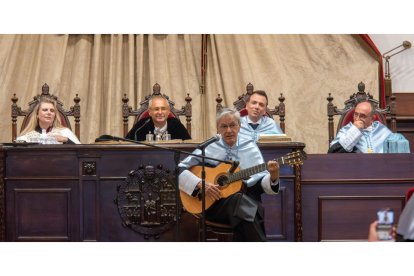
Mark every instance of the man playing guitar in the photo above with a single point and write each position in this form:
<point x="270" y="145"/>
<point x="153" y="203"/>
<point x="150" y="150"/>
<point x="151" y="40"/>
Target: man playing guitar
<point x="243" y="211"/>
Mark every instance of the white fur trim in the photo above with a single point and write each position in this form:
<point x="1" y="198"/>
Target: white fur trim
<point x="266" y="185"/>
<point x="188" y="181"/>
<point x="351" y="138"/>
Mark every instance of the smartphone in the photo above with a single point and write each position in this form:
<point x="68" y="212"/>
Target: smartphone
<point x="385" y="219"/>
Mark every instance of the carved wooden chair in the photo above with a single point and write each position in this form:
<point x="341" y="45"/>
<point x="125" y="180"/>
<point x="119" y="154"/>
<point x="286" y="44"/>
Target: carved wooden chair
<point x="240" y="105"/>
<point x="408" y="194"/>
<point x="142" y="111"/>
<point x="17" y="111"/>
<point x="214" y="231"/>
<point x="347" y="113"/>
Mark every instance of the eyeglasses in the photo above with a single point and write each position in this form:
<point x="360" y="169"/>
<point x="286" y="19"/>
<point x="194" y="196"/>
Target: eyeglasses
<point x="232" y="126"/>
<point x="163" y="108"/>
<point x="360" y="115"/>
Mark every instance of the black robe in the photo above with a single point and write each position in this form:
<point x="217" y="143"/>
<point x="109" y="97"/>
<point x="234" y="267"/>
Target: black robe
<point x="174" y="127"/>
<point x="337" y="148"/>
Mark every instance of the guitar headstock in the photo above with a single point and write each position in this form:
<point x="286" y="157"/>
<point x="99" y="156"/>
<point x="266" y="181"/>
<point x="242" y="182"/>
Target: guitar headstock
<point x="294" y="158"/>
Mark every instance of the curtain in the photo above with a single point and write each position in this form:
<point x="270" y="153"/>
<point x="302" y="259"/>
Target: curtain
<point x="101" y="68"/>
<point x="305" y="68"/>
<point x="378" y="55"/>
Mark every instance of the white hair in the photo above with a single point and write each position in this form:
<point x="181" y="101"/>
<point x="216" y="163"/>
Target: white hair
<point x="228" y="112"/>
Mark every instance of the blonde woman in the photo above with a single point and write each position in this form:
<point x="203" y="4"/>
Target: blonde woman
<point x="45" y="124"/>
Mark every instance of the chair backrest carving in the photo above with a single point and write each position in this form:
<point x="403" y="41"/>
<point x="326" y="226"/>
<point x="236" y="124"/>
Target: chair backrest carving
<point x="346" y="114"/>
<point x="240" y="105"/>
<point x="17" y="111"/>
<point x="142" y="110"/>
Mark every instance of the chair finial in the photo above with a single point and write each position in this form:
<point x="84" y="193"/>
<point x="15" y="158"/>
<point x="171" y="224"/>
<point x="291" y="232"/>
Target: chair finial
<point x="361" y="87"/>
<point x="14" y="98"/>
<point x="281" y="98"/>
<point x="125" y="99"/>
<point x="188" y="99"/>
<point x="219" y="99"/>
<point x="249" y="88"/>
<point x="156" y="89"/>
<point x="45" y="89"/>
<point x="76" y="99"/>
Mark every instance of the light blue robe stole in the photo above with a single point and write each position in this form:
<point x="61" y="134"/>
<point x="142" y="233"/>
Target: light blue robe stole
<point x="267" y="126"/>
<point x="396" y="143"/>
<point x="373" y="139"/>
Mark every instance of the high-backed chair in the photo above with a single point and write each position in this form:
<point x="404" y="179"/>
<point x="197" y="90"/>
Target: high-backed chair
<point x="240" y="105"/>
<point x="408" y="194"/>
<point x="17" y="111"/>
<point x="142" y="111"/>
<point x="347" y="113"/>
<point x="214" y="231"/>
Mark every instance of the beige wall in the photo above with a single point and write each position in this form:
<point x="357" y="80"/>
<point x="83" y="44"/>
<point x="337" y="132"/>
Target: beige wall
<point x="305" y="68"/>
<point x="100" y="68"/>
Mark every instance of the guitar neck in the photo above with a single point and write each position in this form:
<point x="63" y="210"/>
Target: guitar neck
<point x="242" y="174"/>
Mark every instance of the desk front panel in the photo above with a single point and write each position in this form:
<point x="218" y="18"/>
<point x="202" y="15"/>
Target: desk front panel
<point x="341" y="193"/>
<point x="68" y="193"/>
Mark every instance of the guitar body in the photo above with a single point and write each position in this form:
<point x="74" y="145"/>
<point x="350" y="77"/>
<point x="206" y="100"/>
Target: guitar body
<point x="213" y="175"/>
<point x="219" y="175"/>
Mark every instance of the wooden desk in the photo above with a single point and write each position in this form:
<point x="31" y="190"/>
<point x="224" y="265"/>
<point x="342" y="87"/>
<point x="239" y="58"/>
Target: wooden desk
<point x="341" y="193"/>
<point x="67" y="193"/>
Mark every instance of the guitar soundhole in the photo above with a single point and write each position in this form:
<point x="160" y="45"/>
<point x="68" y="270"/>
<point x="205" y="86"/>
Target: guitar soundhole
<point x="222" y="180"/>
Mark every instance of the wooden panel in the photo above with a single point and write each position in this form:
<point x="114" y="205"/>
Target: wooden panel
<point x="404" y="104"/>
<point x="405" y="116"/>
<point x="405" y="126"/>
<point x="280" y="216"/>
<point x="334" y="186"/>
<point x="89" y="222"/>
<point x="42" y="214"/>
<point x="347" y="217"/>
<point x="276" y="215"/>
<point x="2" y="194"/>
<point x="90" y="176"/>
<point x="40" y="164"/>
<point x="342" y="167"/>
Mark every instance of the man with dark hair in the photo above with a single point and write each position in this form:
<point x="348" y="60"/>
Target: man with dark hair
<point x="256" y="122"/>
<point x="159" y="122"/>
<point x="363" y="135"/>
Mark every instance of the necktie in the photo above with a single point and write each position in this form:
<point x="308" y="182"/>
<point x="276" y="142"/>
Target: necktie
<point x="254" y="126"/>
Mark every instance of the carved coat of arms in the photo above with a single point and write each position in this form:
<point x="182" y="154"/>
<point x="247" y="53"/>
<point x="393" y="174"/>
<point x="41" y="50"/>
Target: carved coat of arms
<point x="147" y="201"/>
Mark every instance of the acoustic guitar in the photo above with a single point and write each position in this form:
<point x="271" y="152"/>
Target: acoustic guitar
<point x="231" y="183"/>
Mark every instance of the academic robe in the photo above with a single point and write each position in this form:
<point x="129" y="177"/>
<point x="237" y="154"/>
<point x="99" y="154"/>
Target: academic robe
<point x="352" y="139"/>
<point x="266" y="126"/>
<point x="243" y="211"/>
<point x="36" y="134"/>
<point x="144" y="126"/>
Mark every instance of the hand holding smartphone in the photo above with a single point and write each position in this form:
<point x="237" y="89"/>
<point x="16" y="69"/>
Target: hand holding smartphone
<point x="385" y="219"/>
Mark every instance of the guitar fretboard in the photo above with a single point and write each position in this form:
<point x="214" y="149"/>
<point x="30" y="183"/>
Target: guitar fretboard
<point x="242" y="174"/>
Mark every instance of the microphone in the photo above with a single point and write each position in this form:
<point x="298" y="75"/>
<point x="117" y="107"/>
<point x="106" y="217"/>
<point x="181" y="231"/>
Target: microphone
<point x="141" y="127"/>
<point x="234" y="166"/>
<point x="209" y="141"/>
<point x="106" y="137"/>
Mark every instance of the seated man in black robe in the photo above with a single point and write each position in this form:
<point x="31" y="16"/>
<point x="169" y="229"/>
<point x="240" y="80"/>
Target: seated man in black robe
<point x="158" y="123"/>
